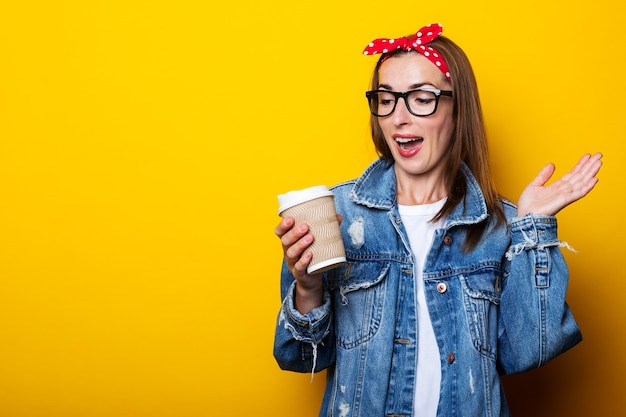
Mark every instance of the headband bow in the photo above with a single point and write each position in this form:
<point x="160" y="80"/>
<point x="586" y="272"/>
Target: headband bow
<point x="417" y="42"/>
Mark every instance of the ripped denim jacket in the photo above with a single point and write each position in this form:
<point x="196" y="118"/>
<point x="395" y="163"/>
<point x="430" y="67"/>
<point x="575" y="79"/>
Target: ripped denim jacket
<point x="497" y="309"/>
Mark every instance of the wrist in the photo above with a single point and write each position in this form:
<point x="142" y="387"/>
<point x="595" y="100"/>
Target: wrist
<point x="308" y="297"/>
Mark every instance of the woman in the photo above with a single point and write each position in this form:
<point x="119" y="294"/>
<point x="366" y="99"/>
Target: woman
<point x="447" y="285"/>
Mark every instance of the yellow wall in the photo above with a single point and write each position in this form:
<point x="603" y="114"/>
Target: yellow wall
<point x="142" y="146"/>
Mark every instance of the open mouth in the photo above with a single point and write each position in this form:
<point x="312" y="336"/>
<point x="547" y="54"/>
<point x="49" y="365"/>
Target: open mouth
<point x="408" y="144"/>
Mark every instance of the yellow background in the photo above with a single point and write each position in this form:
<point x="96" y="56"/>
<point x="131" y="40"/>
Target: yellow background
<point x="142" y="146"/>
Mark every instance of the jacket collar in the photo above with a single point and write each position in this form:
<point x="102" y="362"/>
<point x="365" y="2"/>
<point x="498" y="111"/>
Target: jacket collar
<point x="376" y="188"/>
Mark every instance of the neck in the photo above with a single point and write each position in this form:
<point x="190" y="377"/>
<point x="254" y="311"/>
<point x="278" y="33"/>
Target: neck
<point x="414" y="190"/>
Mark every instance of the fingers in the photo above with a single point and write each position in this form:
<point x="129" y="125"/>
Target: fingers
<point x="284" y="226"/>
<point x="587" y="166"/>
<point x="589" y="179"/>
<point x="588" y="159"/>
<point x="295" y="240"/>
<point x="582" y="177"/>
<point x="298" y="268"/>
<point x="296" y="243"/>
<point x="544" y="175"/>
<point x="592" y="165"/>
<point x="540" y="198"/>
<point x="290" y="234"/>
<point x="581" y="163"/>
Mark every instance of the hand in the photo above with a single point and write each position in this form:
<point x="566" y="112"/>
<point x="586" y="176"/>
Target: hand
<point x="538" y="198"/>
<point x="309" y="292"/>
<point x="295" y="241"/>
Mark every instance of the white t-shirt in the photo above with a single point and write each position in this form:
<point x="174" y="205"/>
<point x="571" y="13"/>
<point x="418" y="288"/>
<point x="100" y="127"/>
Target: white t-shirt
<point x="428" y="375"/>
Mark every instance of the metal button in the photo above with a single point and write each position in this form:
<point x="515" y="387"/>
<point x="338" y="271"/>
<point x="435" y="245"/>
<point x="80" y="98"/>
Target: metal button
<point x="447" y="240"/>
<point x="442" y="287"/>
<point x="450" y="358"/>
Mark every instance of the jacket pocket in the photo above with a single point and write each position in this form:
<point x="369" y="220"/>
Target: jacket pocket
<point x="359" y="298"/>
<point x="481" y="299"/>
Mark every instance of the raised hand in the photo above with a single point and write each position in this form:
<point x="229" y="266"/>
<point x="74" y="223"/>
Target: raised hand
<point x="539" y="198"/>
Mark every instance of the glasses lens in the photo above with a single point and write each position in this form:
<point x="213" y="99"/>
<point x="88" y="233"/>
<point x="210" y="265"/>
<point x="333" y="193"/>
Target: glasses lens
<point x="381" y="103"/>
<point x="422" y="103"/>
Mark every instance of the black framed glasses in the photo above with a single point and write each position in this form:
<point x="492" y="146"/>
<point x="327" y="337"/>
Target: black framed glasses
<point x="420" y="102"/>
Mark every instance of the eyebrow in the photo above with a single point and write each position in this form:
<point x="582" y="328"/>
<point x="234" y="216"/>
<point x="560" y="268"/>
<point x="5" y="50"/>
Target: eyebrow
<point x="412" y="87"/>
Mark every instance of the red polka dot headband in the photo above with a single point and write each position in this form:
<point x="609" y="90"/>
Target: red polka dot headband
<point x="417" y="42"/>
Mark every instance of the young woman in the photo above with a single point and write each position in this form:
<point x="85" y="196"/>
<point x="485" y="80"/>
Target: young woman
<point x="447" y="285"/>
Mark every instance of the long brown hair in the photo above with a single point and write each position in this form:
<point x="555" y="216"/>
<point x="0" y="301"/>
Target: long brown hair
<point x="468" y="144"/>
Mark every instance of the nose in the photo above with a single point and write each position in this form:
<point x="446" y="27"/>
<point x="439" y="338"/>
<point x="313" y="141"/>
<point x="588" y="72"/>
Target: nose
<point x="401" y="114"/>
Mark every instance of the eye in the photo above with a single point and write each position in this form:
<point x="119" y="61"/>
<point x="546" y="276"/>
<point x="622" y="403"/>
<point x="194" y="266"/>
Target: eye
<point x="386" y="99"/>
<point x="422" y="98"/>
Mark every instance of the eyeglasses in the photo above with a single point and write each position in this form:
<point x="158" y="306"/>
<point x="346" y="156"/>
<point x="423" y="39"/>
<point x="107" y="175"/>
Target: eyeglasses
<point x="421" y="102"/>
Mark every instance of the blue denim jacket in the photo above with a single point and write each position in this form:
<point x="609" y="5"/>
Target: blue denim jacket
<point x="497" y="309"/>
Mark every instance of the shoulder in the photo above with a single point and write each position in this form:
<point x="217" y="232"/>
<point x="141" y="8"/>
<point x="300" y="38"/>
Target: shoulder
<point x="342" y="193"/>
<point x="347" y="189"/>
<point x="343" y="187"/>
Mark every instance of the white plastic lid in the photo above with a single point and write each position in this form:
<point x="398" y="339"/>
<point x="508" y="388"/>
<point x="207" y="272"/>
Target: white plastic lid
<point x="293" y="198"/>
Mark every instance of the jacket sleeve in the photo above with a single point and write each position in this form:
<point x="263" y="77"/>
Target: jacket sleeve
<point x="303" y="342"/>
<point x="535" y="323"/>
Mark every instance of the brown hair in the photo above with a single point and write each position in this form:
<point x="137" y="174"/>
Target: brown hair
<point x="469" y="142"/>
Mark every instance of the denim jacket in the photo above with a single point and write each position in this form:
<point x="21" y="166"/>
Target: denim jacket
<point x="497" y="309"/>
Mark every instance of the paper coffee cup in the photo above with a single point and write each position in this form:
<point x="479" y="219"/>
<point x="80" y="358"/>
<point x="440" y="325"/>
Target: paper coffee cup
<point x="315" y="206"/>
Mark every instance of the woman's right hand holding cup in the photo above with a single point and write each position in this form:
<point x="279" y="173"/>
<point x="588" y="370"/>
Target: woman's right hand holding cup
<point x="296" y="240"/>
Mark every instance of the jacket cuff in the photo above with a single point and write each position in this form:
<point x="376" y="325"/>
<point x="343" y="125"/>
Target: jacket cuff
<point x="532" y="232"/>
<point x="311" y="327"/>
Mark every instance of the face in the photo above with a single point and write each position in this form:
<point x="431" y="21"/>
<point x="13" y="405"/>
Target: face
<point x="418" y="144"/>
